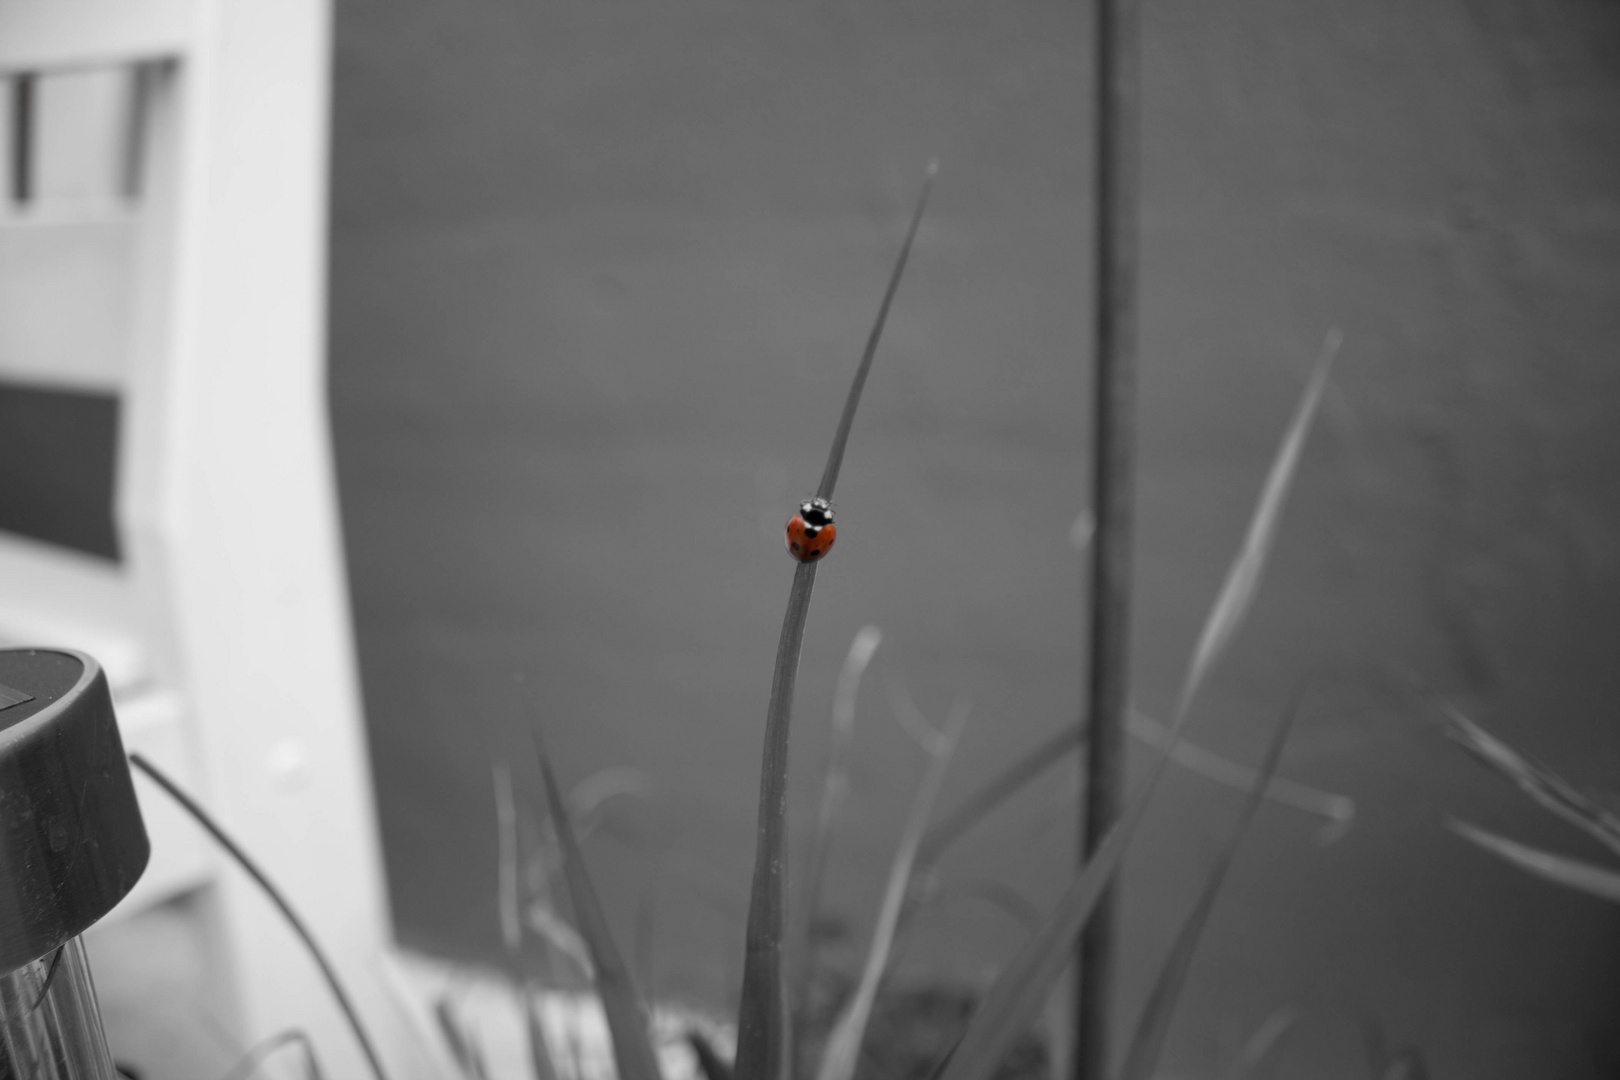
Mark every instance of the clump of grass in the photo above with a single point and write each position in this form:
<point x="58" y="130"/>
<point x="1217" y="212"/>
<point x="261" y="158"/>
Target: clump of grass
<point x="1015" y="1000"/>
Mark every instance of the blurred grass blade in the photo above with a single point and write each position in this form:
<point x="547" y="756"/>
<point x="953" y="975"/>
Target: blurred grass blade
<point x="834" y="789"/>
<point x="456" y="1036"/>
<point x="506" y="838"/>
<point x="1142" y="1057"/>
<point x="1338" y="811"/>
<point x="844" y="1043"/>
<point x="559" y="935"/>
<point x="626" y="1016"/>
<point x="762" y="1036"/>
<point x="1543" y="786"/>
<point x="1014" y="1001"/>
<point x="714" y="1066"/>
<point x="541" y="1064"/>
<point x="1243" y="579"/>
<point x="1583" y="877"/>
<point x="1258" y="1050"/>
<point x="835" y="456"/>
<point x="998" y="790"/>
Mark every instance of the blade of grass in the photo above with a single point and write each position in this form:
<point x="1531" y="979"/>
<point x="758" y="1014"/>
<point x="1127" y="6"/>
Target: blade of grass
<point x="626" y="1016"/>
<point x="844" y="1043"/>
<point x="1258" y="1050"/>
<point x="262" y="880"/>
<point x="835" y="456"/>
<point x="1243" y="579"/>
<point x="541" y="1065"/>
<point x="709" y="1060"/>
<point x="834" y="788"/>
<point x="463" y="1048"/>
<point x="559" y="935"/>
<point x="1338" y="811"/>
<point x="1583" y="877"/>
<point x="1014" y="1001"/>
<point x="1147" y="1043"/>
<point x="507" y="864"/>
<point x="763" y="1039"/>
<point x="1540" y="784"/>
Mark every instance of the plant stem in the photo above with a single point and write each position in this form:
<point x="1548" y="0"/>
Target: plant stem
<point x="1116" y="105"/>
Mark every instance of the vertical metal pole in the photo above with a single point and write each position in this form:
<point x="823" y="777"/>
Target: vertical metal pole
<point x="1116" y="118"/>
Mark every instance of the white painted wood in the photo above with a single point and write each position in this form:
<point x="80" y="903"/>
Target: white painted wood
<point x="38" y="35"/>
<point x="226" y="629"/>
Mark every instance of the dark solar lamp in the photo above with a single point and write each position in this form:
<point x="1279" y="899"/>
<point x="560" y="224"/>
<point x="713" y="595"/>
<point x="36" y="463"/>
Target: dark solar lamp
<point x="71" y="846"/>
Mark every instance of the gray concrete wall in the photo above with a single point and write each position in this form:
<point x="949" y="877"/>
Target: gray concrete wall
<point x="601" y="272"/>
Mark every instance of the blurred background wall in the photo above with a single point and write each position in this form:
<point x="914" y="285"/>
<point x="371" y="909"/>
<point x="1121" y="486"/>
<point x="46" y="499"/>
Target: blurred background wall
<point x="600" y="273"/>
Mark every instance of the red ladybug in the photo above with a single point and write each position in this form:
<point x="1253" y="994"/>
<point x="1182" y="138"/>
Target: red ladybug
<point x="811" y="532"/>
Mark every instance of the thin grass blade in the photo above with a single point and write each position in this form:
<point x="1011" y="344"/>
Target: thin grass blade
<point x="507" y="864"/>
<point x="762" y="1036"/>
<point x="1243" y="579"/>
<point x="1147" y="1043"/>
<point x="1014" y="1001"/>
<point x="550" y="926"/>
<point x="1252" y="1063"/>
<point x="709" y="1060"/>
<point x="1583" y="877"/>
<point x="844" y="1043"/>
<point x="835" y="456"/>
<point x="834" y="787"/>
<point x="1338" y="811"/>
<point x="626" y="1015"/>
<point x="541" y="1064"/>
<point x="1540" y="784"/>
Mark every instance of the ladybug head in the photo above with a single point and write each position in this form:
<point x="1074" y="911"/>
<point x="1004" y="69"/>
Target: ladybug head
<point x="817" y="513"/>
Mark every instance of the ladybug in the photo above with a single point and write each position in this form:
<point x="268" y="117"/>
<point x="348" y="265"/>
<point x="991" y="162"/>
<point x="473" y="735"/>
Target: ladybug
<point x="811" y="532"/>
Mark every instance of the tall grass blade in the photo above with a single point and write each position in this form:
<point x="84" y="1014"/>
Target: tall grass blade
<point x="1337" y="811"/>
<point x="626" y="1015"/>
<point x="1540" y="784"/>
<point x="1583" y="877"/>
<point x="1252" y="1061"/>
<point x="550" y="926"/>
<point x="835" y="456"/>
<point x="1147" y="1043"/>
<point x="763" y="1039"/>
<point x="1014" y="1001"/>
<point x="834" y="787"/>
<point x="1243" y="579"/>
<point x="262" y="880"/>
<point x="844" y="1043"/>
<point x="541" y="1065"/>
<point x="507" y="864"/>
<point x="469" y="1058"/>
<point x="709" y="1060"/>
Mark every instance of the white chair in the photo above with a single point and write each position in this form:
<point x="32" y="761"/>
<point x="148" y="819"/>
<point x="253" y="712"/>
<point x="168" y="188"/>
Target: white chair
<point x="184" y="279"/>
